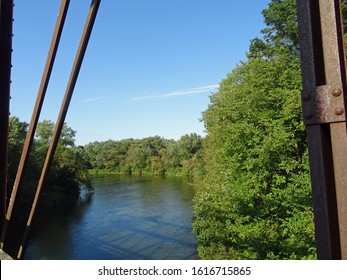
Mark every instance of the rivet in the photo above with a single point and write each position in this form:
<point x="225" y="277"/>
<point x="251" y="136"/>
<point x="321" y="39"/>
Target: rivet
<point x="337" y="92"/>
<point x="339" y="111"/>
<point x="306" y="97"/>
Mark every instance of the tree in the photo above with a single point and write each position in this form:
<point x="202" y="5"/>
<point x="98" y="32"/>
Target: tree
<point x="148" y="156"/>
<point x="99" y="153"/>
<point x="255" y="199"/>
<point x="67" y="173"/>
<point x="16" y="138"/>
<point x="44" y="133"/>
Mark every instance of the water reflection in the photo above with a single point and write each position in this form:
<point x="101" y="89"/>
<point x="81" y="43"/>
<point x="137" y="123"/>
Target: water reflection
<point x="125" y="218"/>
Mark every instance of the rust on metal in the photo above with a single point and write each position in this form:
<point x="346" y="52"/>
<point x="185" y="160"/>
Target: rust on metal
<point x="326" y="105"/>
<point x="6" y="22"/>
<point x="37" y="110"/>
<point x="339" y="145"/>
<point x="324" y="88"/>
<point x="335" y="68"/>
<point x="318" y="135"/>
<point x="61" y="118"/>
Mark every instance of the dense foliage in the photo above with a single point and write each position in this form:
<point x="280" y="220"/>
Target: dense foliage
<point x="67" y="174"/>
<point x="148" y="156"/>
<point x="253" y="193"/>
<point x="254" y="201"/>
<point x="70" y="169"/>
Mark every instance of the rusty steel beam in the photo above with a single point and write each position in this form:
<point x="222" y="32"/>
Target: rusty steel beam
<point x="323" y="104"/>
<point x="62" y="115"/>
<point x="335" y="69"/>
<point x="36" y="112"/>
<point x="6" y="22"/>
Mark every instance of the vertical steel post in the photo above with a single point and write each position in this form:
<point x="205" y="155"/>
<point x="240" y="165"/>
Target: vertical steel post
<point x="36" y="112"/>
<point x="323" y="102"/>
<point x="62" y="114"/>
<point x="6" y="22"/>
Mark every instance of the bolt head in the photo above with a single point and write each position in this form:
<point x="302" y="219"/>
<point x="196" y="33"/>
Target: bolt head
<point x="337" y="92"/>
<point x="339" y="111"/>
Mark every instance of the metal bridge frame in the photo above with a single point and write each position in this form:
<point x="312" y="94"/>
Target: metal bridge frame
<point x="323" y="103"/>
<point x="88" y="27"/>
<point x="324" y="99"/>
<point x="6" y="19"/>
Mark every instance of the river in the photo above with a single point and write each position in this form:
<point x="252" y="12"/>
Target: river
<point x="126" y="217"/>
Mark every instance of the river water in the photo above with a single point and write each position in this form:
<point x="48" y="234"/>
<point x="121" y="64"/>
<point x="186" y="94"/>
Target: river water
<point x="126" y="217"/>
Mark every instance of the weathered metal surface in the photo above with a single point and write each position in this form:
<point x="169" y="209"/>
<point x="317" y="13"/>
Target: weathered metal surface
<point x="326" y="105"/>
<point x="339" y="147"/>
<point x="335" y="72"/>
<point x="37" y="110"/>
<point x="6" y="19"/>
<point x="312" y="63"/>
<point x="322" y="105"/>
<point x="62" y="114"/>
<point x="323" y="195"/>
<point x="323" y="102"/>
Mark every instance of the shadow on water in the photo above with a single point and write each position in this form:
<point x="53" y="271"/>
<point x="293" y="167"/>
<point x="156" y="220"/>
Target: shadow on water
<point x="125" y="218"/>
<point x="44" y="220"/>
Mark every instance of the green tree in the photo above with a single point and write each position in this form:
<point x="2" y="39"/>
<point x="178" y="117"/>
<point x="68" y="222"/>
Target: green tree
<point x="16" y="138"/>
<point x="148" y="156"/>
<point x="181" y="152"/>
<point x="99" y="153"/>
<point x="68" y="171"/>
<point x="255" y="199"/>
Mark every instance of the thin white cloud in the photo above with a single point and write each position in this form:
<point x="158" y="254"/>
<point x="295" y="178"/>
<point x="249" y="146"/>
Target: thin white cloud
<point x="93" y="99"/>
<point x="178" y="93"/>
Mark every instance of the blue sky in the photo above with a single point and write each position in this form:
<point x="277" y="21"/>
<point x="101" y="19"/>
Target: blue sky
<point x="150" y="66"/>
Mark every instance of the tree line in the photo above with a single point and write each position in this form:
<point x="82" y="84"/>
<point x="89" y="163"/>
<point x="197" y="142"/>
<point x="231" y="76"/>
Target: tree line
<point x="149" y="156"/>
<point x="251" y="171"/>
<point x="73" y="165"/>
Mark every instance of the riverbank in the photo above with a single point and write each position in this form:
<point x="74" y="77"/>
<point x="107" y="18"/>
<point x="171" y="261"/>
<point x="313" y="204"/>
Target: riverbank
<point x="169" y="173"/>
